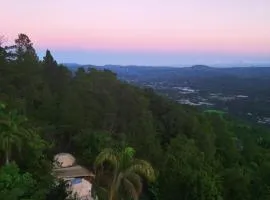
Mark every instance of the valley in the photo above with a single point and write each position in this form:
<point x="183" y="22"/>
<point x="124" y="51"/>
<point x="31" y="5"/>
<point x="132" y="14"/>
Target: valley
<point x="242" y="92"/>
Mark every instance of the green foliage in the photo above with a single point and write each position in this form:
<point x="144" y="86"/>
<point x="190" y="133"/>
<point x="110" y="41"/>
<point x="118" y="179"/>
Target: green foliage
<point x="198" y="155"/>
<point x="88" y="144"/>
<point x="58" y="191"/>
<point x="186" y="173"/>
<point x="11" y="131"/>
<point x="15" y="185"/>
<point x="123" y="173"/>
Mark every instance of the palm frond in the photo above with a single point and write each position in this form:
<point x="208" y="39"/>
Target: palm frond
<point x="126" y="157"/>
<point x="118" y="181"/>
<point x="2" y="105"/>
<point x="9" y="140"/>
<point x="144" y="169"/>
<point x="108" y="155"/>
<point x="136" y="180"/>
<point x="127" y="172"/>
<point x="130" y="189"/>
<point x="101" y="192"/>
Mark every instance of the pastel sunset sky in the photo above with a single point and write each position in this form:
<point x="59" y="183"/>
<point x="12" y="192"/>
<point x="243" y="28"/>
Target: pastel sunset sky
<point x="142" y="32"/>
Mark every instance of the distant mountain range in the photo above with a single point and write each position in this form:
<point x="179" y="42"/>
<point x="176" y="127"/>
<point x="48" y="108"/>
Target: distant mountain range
<point x="216" y="65"/>
<point x="71" y="65"/>
<point x="150" y="73"/>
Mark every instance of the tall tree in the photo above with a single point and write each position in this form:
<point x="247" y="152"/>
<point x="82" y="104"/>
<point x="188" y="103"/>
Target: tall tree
<point x="11" y="131"/>
<point x="27" y="73"/>
<point x="24" y="48"/>
<point x="124" y="173"/>
<point x="2" y="50"/>
<point x="49" y="67"/>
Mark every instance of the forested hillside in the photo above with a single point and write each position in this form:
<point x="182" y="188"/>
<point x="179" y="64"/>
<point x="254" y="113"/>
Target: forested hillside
<point x="46" y="109"/>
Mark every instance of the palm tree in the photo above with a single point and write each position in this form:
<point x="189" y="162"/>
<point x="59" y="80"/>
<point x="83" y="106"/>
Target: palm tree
<point x="11" y="132"/>
<point x="124" y="173"/>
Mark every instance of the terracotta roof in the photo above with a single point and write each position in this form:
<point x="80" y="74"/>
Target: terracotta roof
<point x="72" y="172"/>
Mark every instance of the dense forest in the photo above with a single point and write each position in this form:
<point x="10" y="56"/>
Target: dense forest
<point x="46" y="109"/>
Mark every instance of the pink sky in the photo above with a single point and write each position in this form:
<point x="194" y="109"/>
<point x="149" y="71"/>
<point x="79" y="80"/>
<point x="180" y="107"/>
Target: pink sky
<point x="224" y="26"/>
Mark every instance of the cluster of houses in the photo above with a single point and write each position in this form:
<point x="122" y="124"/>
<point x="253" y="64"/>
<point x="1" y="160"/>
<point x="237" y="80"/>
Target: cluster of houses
<point x="79" y="180"/>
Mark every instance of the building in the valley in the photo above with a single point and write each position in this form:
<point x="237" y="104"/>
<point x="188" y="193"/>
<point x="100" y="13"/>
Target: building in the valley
<point x="79" y="179"/>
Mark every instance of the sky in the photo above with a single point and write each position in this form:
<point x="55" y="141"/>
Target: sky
<point x="142" y="32"/>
